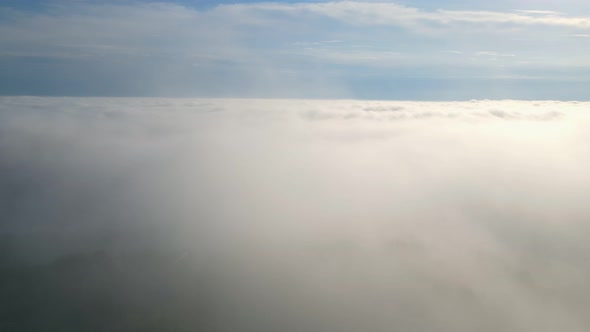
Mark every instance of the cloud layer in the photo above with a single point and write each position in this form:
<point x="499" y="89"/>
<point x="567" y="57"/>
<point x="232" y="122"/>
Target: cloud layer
<point x="306" y="215"/>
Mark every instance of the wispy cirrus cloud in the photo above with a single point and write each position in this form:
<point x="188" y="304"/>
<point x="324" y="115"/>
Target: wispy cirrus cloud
<point x="386" y="13"/>
<point x="164" y="29"/>
<point x="540" y="12"/>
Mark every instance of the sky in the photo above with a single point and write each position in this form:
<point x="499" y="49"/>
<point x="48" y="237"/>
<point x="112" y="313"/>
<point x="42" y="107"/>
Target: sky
<point x="409" y="50"/>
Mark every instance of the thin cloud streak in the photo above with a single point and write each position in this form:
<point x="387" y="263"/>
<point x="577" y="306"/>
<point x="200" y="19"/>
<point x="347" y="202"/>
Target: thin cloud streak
<point x="386" y="13"/>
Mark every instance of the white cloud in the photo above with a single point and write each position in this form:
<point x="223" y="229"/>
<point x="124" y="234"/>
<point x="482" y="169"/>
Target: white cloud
<point x="541" y="12"/>
<point x="387" y="13"/>
<point x="351" y="215"/>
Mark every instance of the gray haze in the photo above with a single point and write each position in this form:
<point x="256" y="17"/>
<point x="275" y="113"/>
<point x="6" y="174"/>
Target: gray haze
<point x="301" y="215"/>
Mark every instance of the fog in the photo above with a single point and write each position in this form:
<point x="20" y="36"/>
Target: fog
<point x="122" y="214"/>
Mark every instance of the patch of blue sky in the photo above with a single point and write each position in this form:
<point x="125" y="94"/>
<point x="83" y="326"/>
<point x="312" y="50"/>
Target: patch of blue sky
<point x="386" y="50"/>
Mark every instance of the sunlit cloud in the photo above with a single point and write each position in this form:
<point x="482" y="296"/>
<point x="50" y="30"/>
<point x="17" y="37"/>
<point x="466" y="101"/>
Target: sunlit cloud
<point x="347" y="214"/>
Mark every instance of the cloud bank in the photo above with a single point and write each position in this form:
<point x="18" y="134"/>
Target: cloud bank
<point x="297" y="215"/>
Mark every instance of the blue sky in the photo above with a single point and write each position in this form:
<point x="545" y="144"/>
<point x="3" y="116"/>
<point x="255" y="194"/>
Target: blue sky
<point x="428" y="50"/>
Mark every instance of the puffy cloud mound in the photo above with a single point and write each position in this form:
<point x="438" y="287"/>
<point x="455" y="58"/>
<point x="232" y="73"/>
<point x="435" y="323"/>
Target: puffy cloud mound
<point x="296" y="215"/>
